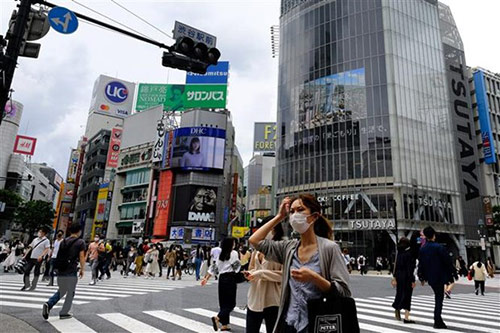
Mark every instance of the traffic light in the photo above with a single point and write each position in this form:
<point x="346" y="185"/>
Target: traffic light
<point x="187" y="55"/>
<point x="37" y="26"/>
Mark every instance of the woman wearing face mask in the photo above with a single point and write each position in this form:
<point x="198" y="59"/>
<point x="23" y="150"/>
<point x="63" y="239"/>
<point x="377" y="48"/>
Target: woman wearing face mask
<point x="226" y="266"/>
<point x="312" y="266"/>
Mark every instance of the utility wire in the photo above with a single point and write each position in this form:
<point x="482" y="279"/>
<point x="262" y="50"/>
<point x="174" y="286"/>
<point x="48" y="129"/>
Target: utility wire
<point x="109" y="18"/>
<point x="140" y="18"/>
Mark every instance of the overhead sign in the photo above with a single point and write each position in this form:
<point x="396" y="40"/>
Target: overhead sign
<point x="73" y="165"/>
<point x="25" y="145"/>
<point x="112" y="96"/>
<point x="216" y="74"/>
<point x="195" y="203"/>
<point x="179" y="97"/>
<point x="240" y="232"/>
<point x="264" y="137"/>
<point x="114" y="148"/>
<point x="379" y="224"/>
<point x="63" y="20"/>
<point x="184" y="30"/>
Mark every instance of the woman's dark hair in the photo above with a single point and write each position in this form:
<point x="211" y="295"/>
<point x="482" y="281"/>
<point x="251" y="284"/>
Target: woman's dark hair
<point x="171" y="247"/>
<point x="191" y="149"/>
<point x="322" y="227"/>
<point x="244" y="250"/>
<point x="278" y="232"/>
<point x="403" y="243"/>
<point x="479" y="264"/>
<point x="227" y="247"/>
<point x="198" y="250"/>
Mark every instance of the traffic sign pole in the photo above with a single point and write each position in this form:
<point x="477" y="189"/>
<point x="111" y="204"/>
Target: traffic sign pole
<point x="12" y="53"/>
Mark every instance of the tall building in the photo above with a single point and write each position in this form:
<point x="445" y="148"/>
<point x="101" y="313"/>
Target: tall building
<point x="259" y="187"/>
<point x="369" y="121"/>
<point x="8" y="133"/>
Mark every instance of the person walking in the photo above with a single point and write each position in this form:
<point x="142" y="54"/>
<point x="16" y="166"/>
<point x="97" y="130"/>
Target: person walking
<point x="199" y="257"/>
<point x="480" y="275"/>
<point x="347" y="259"/>
<point x="405" y="280"/>
<point x="265" y="287"/>
<point x="214" y="255"/>
<point x="53" y="256"/>
<point x="361" y="264"/>
<point x="151" y="259"/>
<point x="161" y="256"/>
<point x="139" y="259"/>
<point x="312" y="265"/>
<point x="131" y="255"/>
<point x="71" y="251"/>
<point x="461" y="266"/>
<point x="180" y="261"/>
<point x="38" y="249"/>
<point x="435" y="267"/>
<point x="171" y="259"/>
<point x="378" y="265"/>
<point x="93" y="257"/>
<point x="226" y="267"/>
<point x="490" y="267"/>
<point x="15" y="254"/>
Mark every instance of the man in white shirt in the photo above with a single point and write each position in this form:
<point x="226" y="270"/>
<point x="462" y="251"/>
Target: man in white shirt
<point x="214" y="254"/>
<point x="39" y="248"/>
<point x="55" y="250"/>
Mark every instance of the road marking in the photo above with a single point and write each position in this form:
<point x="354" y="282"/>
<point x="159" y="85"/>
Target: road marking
<point x="183" y="322"/>
<point x="22" y="305"/>
<point x="453" y="306"/>
<point x="129" y="324"/>
<point x="4" y="290"/>
<point x="78" y="292"/>
<point x="232" y="320"/>
<point x="71" y="325"/>
<point x="394" y="322"/>
<point x="471" y="328"/>
<point x="86" y="288"/>
<point x="378" y="329"/>
<point x="34" y="299"/>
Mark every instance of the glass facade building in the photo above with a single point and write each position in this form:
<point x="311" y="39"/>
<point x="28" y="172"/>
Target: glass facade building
<point x="364" y="119"/>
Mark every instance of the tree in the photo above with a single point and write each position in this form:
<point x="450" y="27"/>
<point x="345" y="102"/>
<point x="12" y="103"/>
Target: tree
<point x="12" y="201"/>
<point x="32" y="215"/>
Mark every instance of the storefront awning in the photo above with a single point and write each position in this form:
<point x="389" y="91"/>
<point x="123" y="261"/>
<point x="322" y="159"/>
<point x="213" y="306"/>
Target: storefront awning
<point x="124" y="224"/>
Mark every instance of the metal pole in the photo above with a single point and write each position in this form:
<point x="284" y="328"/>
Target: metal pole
<point x="12" y="53"/>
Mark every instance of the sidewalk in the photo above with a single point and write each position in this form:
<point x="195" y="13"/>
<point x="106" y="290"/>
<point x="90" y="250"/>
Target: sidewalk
<point x="14" y="325"/>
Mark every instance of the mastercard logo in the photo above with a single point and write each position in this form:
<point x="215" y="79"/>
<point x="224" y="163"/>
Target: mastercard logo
<point x="104" y="107"/>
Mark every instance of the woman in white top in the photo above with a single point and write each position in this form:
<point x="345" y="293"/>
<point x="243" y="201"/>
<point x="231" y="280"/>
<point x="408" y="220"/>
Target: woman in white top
<point x="265" y="288"/>
<point x="193" y="157"/>
<point x="152" y="259"/>
<point x="480" y="275"/>
<point x="226" y="267"/>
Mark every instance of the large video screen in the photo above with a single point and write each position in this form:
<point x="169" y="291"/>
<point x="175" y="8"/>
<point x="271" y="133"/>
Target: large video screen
<point x="198" y="148"/>
<point x="195" y="203"/>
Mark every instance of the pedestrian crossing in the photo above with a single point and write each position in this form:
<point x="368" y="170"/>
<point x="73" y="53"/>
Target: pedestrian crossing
<point x="116" y="287"/>
<point x="462" y="313"/>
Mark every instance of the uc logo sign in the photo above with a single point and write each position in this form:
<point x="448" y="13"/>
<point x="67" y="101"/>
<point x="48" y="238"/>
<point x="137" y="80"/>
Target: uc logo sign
<point x="116" y="92"/>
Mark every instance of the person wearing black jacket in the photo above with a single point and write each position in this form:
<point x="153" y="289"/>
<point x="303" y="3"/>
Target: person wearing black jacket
<point x="405" y="280"/>
<point x="435" y="267"/>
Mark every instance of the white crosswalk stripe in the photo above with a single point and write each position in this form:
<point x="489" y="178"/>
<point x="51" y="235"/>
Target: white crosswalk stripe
<point x="116" y="287"/>
<point x="375" y="314"/>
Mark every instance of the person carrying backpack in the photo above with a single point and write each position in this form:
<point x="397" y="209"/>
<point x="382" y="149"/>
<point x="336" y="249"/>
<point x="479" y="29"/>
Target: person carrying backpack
<point x="71" y="251"/>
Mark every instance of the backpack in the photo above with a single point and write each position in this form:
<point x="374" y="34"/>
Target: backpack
<point x="63" y="260"/>
<point x="362" y="261"/>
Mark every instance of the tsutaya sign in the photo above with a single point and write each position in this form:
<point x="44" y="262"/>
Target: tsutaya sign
<point x="378" y="224"/>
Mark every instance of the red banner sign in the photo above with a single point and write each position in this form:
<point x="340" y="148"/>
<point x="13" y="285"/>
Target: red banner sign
<point x="114" y="148"/>
<point x="25" y="145"/>
<point x="164" y="204"/>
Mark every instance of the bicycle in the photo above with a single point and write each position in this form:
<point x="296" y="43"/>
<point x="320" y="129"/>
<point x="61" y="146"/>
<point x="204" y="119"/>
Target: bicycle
<point x="189" y="268"/>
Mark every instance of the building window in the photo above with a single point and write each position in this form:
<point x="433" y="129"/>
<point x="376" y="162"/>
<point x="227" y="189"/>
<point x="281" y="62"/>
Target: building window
<point x="137" y="177"/>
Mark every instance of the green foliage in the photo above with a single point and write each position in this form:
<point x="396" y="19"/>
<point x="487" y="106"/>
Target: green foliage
<point x="12" y="202"/>
<point x="496" y="216"/>
<point x="32" y="215"/>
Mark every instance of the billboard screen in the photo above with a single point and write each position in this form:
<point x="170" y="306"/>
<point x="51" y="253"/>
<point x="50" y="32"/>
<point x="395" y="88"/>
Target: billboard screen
<point x="198" y="148"/>
<point x="264" y="137"/>
<point x="217" y="74"/>
<point x="179" y="97"/>
<point x="484" y="119"/>
<point x="112" y="96"/>
<point x="195" y="203"/>
<point x="164" y="203"/>
<point x="25" y="145"/>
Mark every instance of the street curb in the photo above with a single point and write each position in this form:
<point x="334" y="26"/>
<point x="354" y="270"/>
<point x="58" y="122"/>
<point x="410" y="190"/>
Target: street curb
<point x="14" y="325"/>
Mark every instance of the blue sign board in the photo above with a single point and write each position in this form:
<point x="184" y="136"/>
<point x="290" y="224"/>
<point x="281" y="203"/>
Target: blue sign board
<point x="484" y="119"/>
<point x="63" y="20"/>
<point x="216" y="74"/>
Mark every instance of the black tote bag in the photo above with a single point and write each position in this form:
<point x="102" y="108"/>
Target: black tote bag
<point x="332" y="313"/>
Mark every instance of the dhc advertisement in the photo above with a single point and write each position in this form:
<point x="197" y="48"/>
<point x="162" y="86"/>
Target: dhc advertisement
<point x="484" y="119"/>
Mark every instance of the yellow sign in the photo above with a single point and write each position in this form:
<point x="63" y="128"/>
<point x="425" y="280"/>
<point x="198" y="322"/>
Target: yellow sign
<point x="239" y="232"/>
<point x="100" y="211"/>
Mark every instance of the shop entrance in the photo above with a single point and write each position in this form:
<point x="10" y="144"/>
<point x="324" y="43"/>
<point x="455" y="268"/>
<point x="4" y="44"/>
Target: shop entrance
<point x="369" y="243"/>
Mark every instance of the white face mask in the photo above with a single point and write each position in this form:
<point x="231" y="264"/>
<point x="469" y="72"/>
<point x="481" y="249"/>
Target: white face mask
<point x="298" y="221"/>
